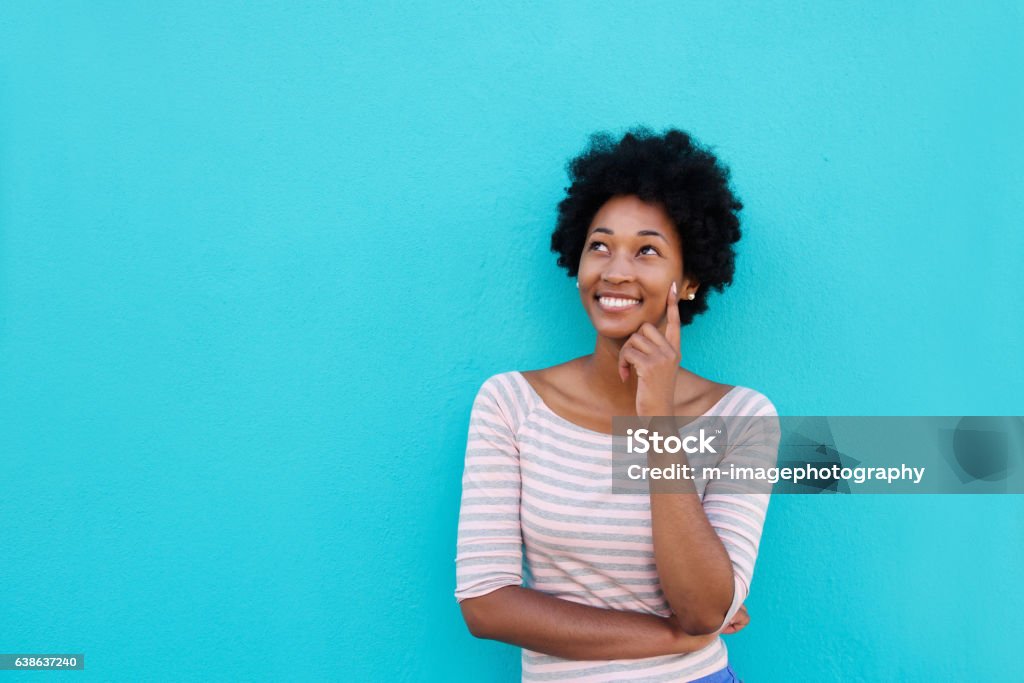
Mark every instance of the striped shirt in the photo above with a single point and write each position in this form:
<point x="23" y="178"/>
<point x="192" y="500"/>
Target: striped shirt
<point x="537" y="504"/>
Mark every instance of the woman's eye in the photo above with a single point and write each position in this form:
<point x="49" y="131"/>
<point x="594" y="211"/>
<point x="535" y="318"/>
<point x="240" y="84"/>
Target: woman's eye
<point x="595" y="245"/>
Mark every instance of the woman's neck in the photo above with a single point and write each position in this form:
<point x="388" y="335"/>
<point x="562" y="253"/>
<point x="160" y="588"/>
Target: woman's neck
<point x="601" y="373"/>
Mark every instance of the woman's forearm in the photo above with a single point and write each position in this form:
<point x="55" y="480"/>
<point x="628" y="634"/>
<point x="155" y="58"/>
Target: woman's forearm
<point x="698" y="584"/>
<point x="543" y="623"/>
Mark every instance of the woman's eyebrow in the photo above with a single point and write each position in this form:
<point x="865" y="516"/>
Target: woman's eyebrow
<point x="652" y="233"/>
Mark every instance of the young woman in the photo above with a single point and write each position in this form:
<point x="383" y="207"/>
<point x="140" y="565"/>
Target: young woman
<point x="618" y="587"/>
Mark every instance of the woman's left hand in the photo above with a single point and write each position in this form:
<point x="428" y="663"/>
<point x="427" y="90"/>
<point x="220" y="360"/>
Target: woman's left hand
<point x="654" y="355"/>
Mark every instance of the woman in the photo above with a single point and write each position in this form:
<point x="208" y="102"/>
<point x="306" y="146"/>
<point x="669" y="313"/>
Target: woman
<point x="618" y="587"/>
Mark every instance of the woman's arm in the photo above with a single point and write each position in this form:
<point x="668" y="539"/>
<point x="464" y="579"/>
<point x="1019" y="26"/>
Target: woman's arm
<point x="721" y="530"/>
<point x="543" y="623"/>
<point x="698" y="583"/>
<point x="704" y="545"/>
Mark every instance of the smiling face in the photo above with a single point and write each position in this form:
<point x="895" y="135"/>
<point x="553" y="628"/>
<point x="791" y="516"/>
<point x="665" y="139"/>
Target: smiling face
<point x="631" y="256"/>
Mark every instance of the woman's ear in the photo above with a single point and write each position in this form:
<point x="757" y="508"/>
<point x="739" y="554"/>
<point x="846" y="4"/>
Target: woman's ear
<point x="689" y="289"/>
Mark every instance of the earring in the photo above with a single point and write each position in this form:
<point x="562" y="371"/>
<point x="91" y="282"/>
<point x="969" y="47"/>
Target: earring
<point x="577" y="284"/>
<point x="691" y="296"/>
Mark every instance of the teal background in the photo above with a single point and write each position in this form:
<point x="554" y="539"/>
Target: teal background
<point x="257" y="259"/>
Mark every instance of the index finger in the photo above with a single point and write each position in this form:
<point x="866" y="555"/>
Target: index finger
<point x="672" y="316"/>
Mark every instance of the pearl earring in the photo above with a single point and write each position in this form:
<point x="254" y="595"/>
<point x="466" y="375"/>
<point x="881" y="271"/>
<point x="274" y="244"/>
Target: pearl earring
<point x="577" y="284"/>
<point x="691" y="296"/>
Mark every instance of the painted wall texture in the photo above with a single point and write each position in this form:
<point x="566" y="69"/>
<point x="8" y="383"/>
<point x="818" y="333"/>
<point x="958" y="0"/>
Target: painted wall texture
<point x="257" y="258"/>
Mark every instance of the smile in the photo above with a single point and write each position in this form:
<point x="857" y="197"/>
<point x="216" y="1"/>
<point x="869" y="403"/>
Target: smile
<point x="609" y="303"/>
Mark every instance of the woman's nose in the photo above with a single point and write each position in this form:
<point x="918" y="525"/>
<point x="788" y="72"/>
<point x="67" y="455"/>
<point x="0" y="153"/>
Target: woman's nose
<point x="619" y="268"/>
<point x="617" y="276"/>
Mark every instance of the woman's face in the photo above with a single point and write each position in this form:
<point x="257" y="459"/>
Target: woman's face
<point x="631" y="256"/>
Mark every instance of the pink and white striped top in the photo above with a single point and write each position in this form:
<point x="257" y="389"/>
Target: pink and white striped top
<point x="538" y="488"/>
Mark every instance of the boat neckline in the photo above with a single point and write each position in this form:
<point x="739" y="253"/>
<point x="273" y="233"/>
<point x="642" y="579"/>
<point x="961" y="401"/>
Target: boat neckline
<point x="581" y="428"/>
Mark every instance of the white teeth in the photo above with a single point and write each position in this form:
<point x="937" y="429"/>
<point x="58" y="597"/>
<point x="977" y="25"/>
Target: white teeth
<point x="612" y="302"/>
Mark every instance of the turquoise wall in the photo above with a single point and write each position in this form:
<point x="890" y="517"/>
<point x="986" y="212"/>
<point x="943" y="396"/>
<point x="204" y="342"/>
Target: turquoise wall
<point x="257" y="258"/>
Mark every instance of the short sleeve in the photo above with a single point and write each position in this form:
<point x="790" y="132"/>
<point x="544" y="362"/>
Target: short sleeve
<point x="489" y="552"/>
<point x="738" y="518"/>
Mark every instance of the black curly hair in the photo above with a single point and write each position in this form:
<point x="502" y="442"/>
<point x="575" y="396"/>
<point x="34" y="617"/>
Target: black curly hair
<point x="671" y="169"/>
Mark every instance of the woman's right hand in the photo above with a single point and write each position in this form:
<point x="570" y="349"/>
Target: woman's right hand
<point x="740" y="620"/>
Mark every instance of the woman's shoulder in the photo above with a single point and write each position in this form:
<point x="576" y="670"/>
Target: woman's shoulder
<point x="506" y="379"/>
<point x="553" y="378"/>
<point x="723" y="398"/>
<point x="748" y="401"/>
<point x="520" y="392"/>
<point x="509" y="393"/>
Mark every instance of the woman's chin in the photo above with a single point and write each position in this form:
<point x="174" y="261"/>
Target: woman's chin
<point x="619" y="329"/>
